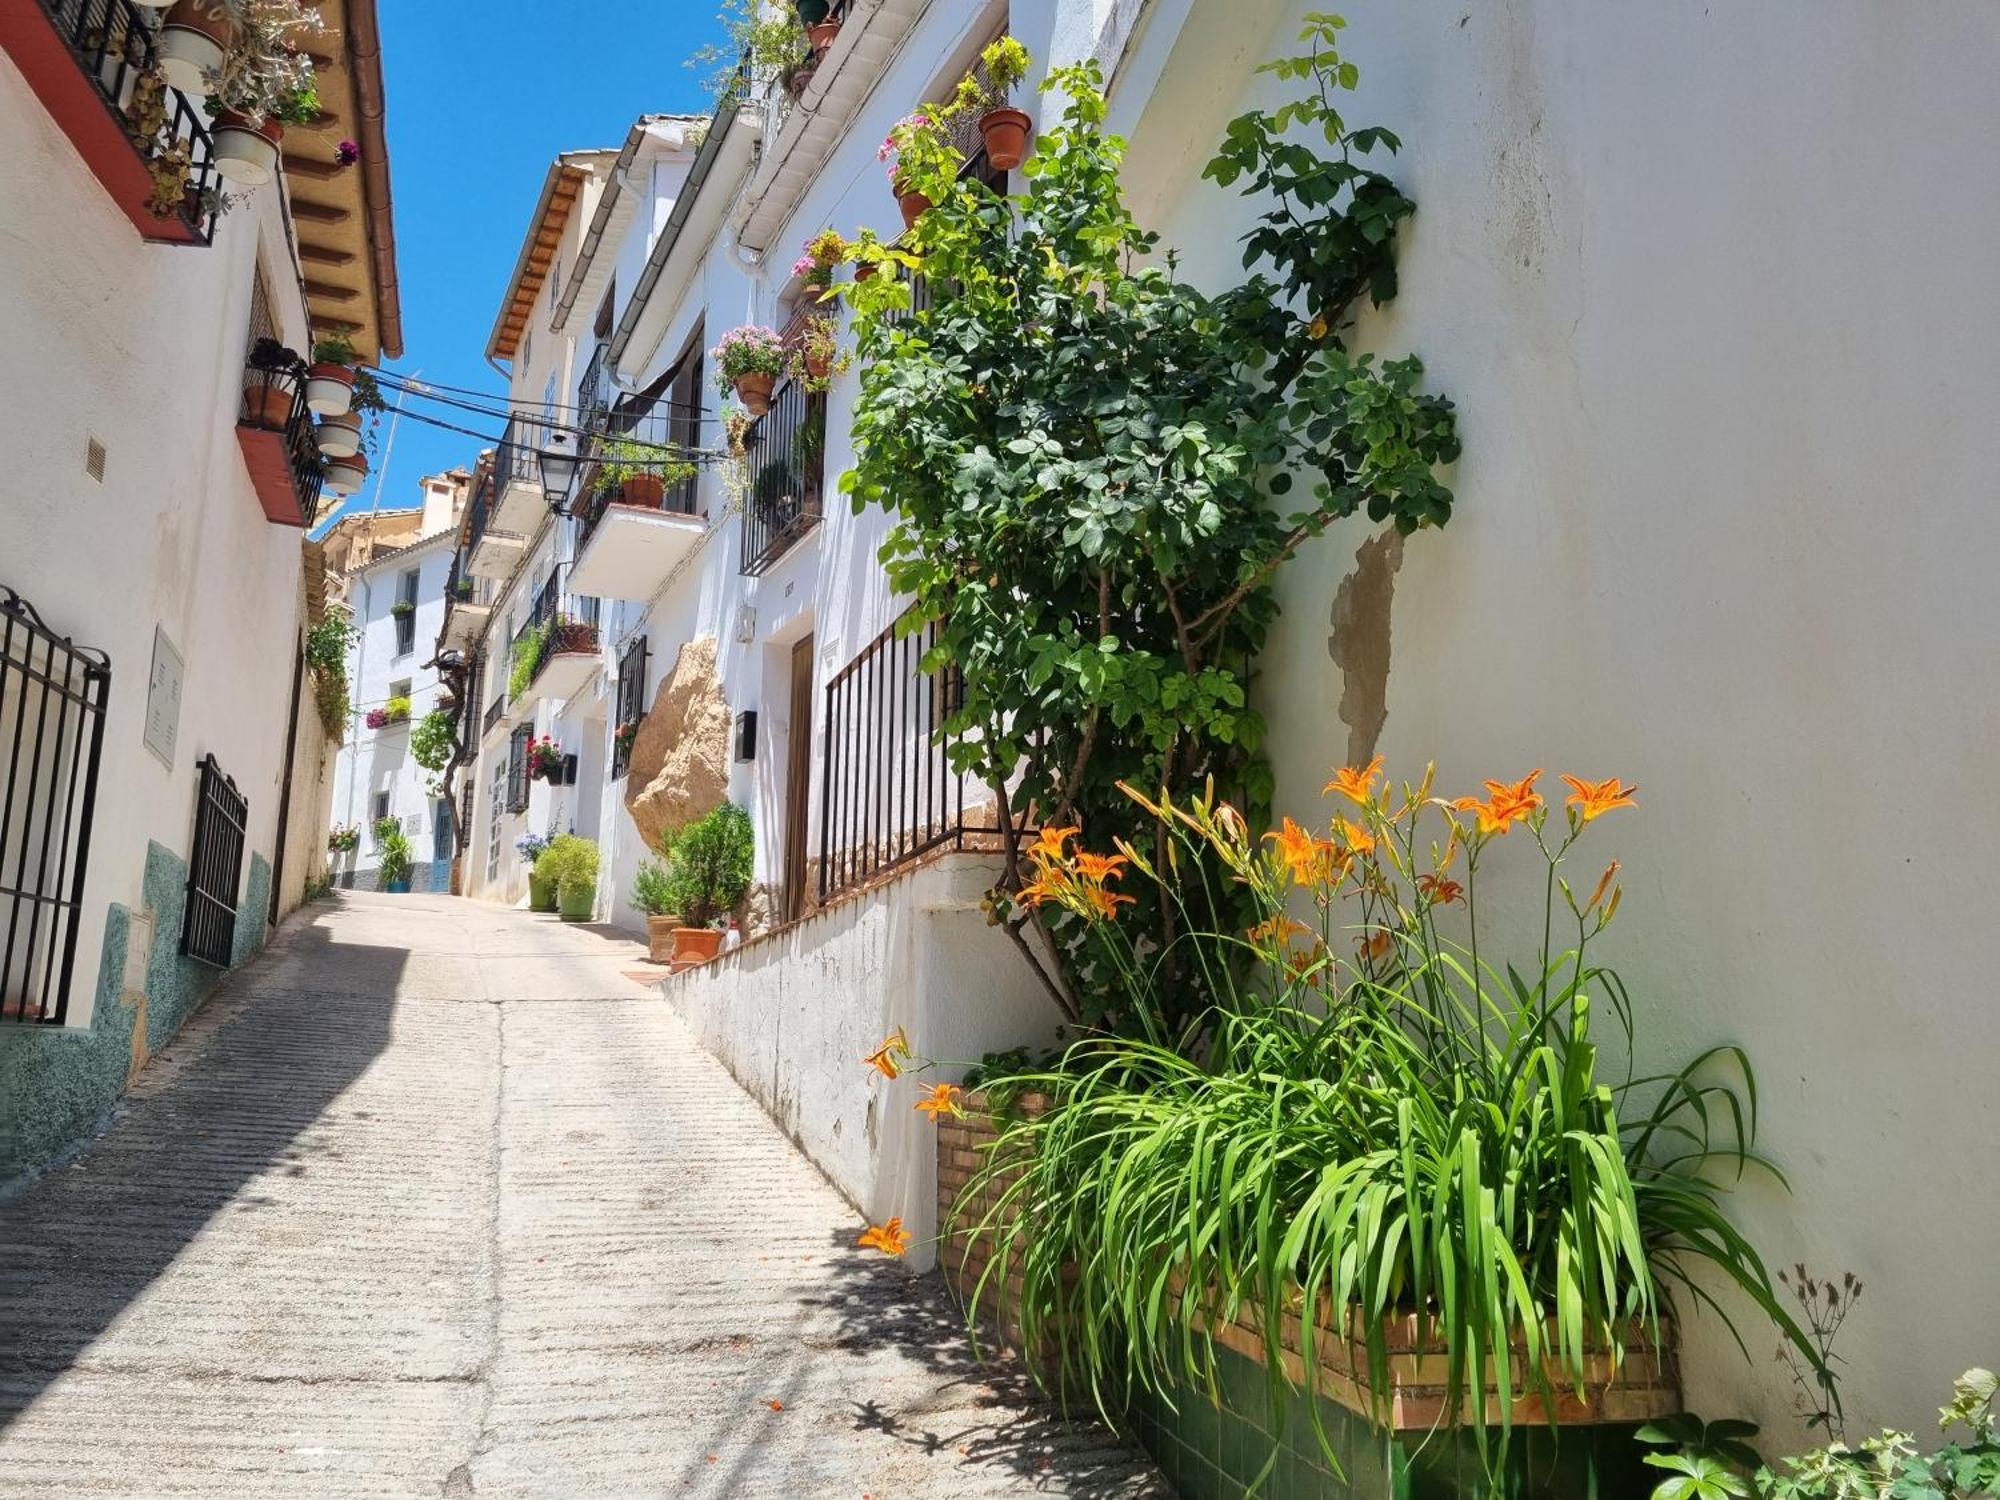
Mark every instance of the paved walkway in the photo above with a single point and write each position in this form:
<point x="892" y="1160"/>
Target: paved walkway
<point x="433" y="1200"/>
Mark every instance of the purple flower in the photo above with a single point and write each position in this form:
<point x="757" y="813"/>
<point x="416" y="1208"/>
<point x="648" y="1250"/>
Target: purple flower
<point x="347" y="153"/>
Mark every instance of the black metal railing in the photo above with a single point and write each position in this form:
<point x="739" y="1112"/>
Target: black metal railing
<point x="215" y="867"/>
<point x="593" y="392"/>
<point x="558" y="624"/>
<point x="52" y="698"/>
<point x="274" y="400"/>
<point x="494" y="711"/>
<point x="630" y="705"/>
<point x="785" y="453"/>
<point x="635" y="458"/>
<point x="113" y="44"/>
<point x="517" y="767"/>
<point x="888" y="792"/>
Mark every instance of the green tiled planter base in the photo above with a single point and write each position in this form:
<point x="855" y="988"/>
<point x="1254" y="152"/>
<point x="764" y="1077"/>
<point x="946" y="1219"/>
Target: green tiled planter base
<point x="1219" y="1452"/>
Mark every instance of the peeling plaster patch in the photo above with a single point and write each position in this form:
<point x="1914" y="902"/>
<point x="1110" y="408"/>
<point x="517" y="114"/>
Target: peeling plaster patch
<point x="1359" y="644"/>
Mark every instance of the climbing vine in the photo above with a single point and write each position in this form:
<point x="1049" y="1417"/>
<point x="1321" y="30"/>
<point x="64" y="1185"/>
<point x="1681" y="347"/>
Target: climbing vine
<point x="1089" y="462"/>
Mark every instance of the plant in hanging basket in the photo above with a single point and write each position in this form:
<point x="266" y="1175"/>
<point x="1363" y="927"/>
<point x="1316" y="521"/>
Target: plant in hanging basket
<point x="822" y="253"/>
<point x="748" y="359"/>
<point x="403" y="607"/>
<point x="815" y="356"/>
<point x="343" y="838"/>
<point x="545" y="760"/>
<point x="1003" y="129"/>
<point x="330" y="380"/>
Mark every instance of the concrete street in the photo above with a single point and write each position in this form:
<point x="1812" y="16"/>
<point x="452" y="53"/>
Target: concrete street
<point x="432" y="1200"/>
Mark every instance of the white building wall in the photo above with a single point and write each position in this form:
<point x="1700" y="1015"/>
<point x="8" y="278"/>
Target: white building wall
<point x="141" y="347"/>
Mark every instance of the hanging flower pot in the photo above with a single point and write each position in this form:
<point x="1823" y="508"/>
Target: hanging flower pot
<point x="190" y="45"/>
<point x="820" y="36"/>
<point x="911" y="202"/>
<point x="330" y="389"/>
<point x="246" y="149"/>
<point x="1005" y="134"/>
<point x="754" y="391"/>
<point x="340" y="437"/>
<point x="346" y="474"/>
<point x="864" y="270"/>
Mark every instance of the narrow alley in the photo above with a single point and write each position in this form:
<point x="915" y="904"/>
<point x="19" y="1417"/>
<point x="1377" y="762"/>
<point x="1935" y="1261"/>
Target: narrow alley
<point x="435" y="1199"/>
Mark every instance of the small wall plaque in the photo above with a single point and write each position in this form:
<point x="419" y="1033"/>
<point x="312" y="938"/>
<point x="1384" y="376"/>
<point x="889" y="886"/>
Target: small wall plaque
<point x="163" y="699"/>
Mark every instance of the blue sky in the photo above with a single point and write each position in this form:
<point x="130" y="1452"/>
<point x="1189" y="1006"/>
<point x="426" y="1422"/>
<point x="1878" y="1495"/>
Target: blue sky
<point x="481" y="98"/>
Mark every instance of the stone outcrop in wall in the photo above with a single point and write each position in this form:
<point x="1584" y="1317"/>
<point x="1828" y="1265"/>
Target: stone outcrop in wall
<point x="679" y="768"/>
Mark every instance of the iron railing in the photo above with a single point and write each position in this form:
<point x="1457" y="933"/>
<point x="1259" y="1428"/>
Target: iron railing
<point x="517" y="767"/>
<point x="630" y="706"/>
<point x="566" y="623"/>
<point x="649" y="438"/>
<point x="888" y="793"/>
<point x="52" y="698"/>
<point x="494" y="711"/>
<point x="274" y="400"/>
<point x="112" y="42"/>
<point x="785" y="453"/>
<point x="215" y="867"/>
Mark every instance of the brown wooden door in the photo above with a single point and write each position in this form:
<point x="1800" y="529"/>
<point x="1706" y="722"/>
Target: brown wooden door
<point x="798" y="780"/>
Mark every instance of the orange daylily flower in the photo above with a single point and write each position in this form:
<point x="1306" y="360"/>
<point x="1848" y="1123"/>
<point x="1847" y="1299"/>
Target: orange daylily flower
<point x="1355" y="783"/>
<point x="1050" y="841"/>
<point x="1307" y="859"/>
<point x="885" y="1058"/>
<point x="942" y="1099"/>
<point x="1105" y="903"/>
<point x="1100" y="867"/>
<point x="1280" y="930"/>
<point x="1440" y="890"/>
<point x="1377" y="944"/>
<point x="890" y="1238"/>
<point x="1298" y="960"/>
<point x="1506" y="803"/>
<point x="1595" y="797"/>
<point x="1357" y="839"/>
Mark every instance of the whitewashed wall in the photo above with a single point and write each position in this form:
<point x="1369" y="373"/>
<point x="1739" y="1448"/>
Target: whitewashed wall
<point x="1710" y="288"/>
<point x="141" y="347"/>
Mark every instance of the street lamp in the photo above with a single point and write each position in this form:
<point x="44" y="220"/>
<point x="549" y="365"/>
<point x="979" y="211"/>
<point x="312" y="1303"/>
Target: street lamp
<point x="558" y="468"/>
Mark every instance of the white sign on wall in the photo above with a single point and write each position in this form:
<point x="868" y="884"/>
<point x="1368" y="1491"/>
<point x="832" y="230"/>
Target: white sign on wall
<point x="163" y="699"/>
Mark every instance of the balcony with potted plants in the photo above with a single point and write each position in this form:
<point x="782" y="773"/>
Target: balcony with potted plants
<point x="639" y="510"/>
<point x="556" y="649"/>
<point x="97" y="67"/>
<point x="275" y="430"/>
<point x="782" y="438"/>
<point x="468" y="606"/>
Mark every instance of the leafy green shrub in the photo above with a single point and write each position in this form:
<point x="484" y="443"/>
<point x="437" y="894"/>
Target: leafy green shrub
<point x="526" y="658"/>
<point x="396" y="861"/>
<point x="568" y="858"/>
<point x="709" y="865"/>
<point x="433" y="740"/>
<point x="653" y="890"/>
<point x="1393" y="1116"/>
<point x="1088" y="461"/>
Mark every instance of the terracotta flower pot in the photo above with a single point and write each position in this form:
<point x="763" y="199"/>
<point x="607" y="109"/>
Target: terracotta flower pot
<point x="913" y="204"/>
<point x="754" y="391"/>
<point x="1005" y="132"/>
<point x="865" y="270"/>
<point x="191" y="43"/>
<point x="267" y="404"/>
<point x="660" y="938"/>
<point x="696" y="945"/>
<point x="646" y="491"/>
<point x="330" y="389"/>
<point x="246" y="150"/>
<point x="818" y="366"/>
<point x="820" y="36"/>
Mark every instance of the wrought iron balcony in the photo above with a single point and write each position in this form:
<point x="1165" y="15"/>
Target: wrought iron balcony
<point x="639" y="507"/>
<point x="275" y="432"/>
<point x="94" y="65"/>
<point x="560" y="639"/>
<point x="785" y="451"/>
<point x="468" y="605"/>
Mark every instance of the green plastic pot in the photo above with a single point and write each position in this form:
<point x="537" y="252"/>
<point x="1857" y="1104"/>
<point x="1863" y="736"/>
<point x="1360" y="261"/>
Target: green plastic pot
<point x="541" y="892"/>
<point x="579" y="900"/>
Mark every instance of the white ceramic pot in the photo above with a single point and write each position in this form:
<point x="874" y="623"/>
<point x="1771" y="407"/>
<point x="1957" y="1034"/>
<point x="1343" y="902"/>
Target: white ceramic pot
<point x="345" y="475"/>
<point x="246" y="155"/>
<point x="330" y="390"/>
<point x="339" y="437"/>
<point x="185" y="55"/>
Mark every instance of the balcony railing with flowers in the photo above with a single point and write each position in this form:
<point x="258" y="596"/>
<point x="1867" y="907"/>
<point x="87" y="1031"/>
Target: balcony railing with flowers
<point x="276" y="433"/>
<point x="140" y="136"/>
<point x="559" y="624"/>
<point x="785" y="453"/>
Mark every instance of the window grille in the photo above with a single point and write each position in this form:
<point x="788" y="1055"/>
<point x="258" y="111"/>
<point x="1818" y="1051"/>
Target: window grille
<point x="215" y="867"/>
<point x="52" y="699"/>
<point x="631" y="702"/>
<point x="517" y="767"/>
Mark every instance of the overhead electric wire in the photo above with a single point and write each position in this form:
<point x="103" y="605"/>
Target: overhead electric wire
<point x="430" y="390"/>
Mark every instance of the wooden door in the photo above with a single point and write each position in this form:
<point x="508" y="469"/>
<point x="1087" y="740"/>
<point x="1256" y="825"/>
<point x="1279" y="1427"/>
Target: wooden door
<point x="798" y="780"/>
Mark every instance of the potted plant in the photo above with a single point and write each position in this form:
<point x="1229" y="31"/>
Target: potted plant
<point x="347" y="473"/>
<point x="339" y="435"/>
<point x="914" y="144"/>
<point x="708" y="869"/>
<point x="343" y="838"/>
<point x="247" y="134"/>
<point x="1002" y="128"/>
<point x="396" y="862"/>
<point x="748" y="359"/>
<point x="625" y="736"/>
<point x="569" y="864"/>
<point x="815" y="264"/>
<point x="653" y="894"/>
<point x="271" y="385"/>
<point x="641" y="473"/>
<point x="403" y="607"/>
<point x="330" y="379"/>
<point x="541" y="888"/>
<point x="814" y="353"/>
<point x="821" y="28"/>
<point x="191" y="43"/>
<point x="398" y="710"/>
<point x="545" y="761"/>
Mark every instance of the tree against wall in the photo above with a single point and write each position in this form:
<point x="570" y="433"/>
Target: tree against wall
<point x="1092" y="465"/>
